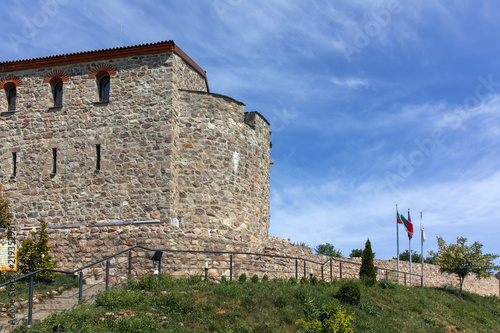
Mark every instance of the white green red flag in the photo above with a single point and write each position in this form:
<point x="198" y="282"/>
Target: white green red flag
<point x="407" y="223"/>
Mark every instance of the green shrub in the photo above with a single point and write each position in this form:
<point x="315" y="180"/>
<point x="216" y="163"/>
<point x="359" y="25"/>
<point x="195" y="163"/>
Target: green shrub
<point x="242" y="278"/>
<point x="312" y="326"/>
<point x="349" y="292"/>
<point x="384" y="284"/>
<point x="143" y="322"/>
<point x="356" y="253"/>
<point x="326" y="318"/>
<point x="367" y="270"/>
<point x="5" y="219"/>
<point x="223" y="279"/>
<point x="292" y="280"/>
<point x="314" y="280"/>
<point x="368" y="281"/>
<point x="304" y="280"/>
<point x="266" y="277"/>
<point x="34" y="255"/>
<point x="322" y="282"/>
<point x="254" y="278"/>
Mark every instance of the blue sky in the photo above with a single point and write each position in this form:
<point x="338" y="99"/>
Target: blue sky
<point x="371" y="103"/>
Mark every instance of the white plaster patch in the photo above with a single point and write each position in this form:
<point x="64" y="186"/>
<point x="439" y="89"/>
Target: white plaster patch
<point x="236" y="160"/>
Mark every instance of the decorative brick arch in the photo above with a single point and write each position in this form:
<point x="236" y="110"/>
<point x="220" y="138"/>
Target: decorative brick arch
<point x="101" y="70"/>
<point x="11" y="79"/>
<point x="56" y="73"/>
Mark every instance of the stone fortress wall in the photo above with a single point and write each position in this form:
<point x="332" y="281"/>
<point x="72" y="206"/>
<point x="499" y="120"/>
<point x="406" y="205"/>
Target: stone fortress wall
<point x="432" y="276"/>
<point x="164" y="163"/>
<point x="169" y="149"/>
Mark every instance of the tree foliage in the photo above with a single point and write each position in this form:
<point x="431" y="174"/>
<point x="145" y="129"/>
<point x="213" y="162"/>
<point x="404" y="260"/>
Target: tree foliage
<point x="5" y="218"/>
<point x="34" y="255"/>
<point x="462" y="260"/>
<point x="415" y="257"/>
<point x="367" y="270"/>
<point x="356" y="253"/>
<point x="328" y="250"/>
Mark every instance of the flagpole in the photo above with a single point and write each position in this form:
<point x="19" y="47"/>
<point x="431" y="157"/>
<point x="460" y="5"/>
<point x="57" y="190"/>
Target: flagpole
<point x="422" y="246"/>
<point x="397" y="237"/>
<point x="409" y="240"/>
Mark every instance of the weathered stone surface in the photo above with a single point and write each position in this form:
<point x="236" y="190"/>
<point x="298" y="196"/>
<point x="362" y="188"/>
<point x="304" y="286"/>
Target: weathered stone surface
<point x="168" y="149"/>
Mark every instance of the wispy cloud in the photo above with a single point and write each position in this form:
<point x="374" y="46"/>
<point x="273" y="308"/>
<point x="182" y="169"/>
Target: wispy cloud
<point x="350" y="82"/>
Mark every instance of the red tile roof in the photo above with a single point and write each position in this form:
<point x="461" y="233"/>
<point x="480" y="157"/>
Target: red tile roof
<point x="97" y="55"/>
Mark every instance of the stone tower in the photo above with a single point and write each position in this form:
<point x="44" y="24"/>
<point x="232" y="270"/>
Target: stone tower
<point x="130" y="136"/>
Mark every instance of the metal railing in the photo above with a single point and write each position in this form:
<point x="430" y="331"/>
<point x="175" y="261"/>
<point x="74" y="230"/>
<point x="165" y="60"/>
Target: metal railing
<point x="212" y="265"/>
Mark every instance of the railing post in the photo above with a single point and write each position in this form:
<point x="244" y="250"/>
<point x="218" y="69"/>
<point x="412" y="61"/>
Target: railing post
<point x="30" y="302"/>
<point x="305" y="269"/>
<point x="296" y="269"/>
<point x="322" y="278"/>
<point x="80" y="286"/>
<point x="206" y="271"/>
<point x="231" y="267"/>
<point x="340" y="264"/>
<point x="129" y="263"/>
<point x="107" y="274"/>
<point x="331" y="271"/>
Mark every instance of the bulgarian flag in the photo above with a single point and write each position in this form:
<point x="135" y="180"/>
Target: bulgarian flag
<point x="407" y="223"/>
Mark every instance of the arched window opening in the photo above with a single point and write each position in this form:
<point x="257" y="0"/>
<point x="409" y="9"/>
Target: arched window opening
<point x="57" y="93"/>
<point x="11" y="92"/>
<point x="104" y="89"/>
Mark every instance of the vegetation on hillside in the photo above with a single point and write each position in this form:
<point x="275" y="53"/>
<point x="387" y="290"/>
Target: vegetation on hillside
<point x="328" y="250"/>
<point x="191" y="305"/>
<point x="5" y="220"/>
<point x="462" y="260"/>
<point x="367" y="270"/>
<point x="415" y="257"/>
<point x="34" y="254"/>
<point x="356" y="253"/>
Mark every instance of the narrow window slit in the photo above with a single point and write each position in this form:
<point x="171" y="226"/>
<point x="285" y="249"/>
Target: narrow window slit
<point x="98" y="157"/>
<point x="54" y="160"/>
<point x="14" y="164"/>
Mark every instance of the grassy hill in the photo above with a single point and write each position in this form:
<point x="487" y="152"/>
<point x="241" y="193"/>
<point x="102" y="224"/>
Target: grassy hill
<point x="191" y="305"/>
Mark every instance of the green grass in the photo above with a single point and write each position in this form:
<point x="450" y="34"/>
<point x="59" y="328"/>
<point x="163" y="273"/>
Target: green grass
<point x="191" y="305"/>
<point x="61" y="282"/>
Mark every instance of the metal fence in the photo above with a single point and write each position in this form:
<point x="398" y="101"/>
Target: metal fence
<point x="138" y="260"/>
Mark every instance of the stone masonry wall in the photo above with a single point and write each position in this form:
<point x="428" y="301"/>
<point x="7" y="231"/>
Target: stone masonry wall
<point x="168" y="149"/>
<point x="134" y="150"/>
<point x="432" y="276"/>
<point x="225" y="167"/>
<point x="144" y="133"/>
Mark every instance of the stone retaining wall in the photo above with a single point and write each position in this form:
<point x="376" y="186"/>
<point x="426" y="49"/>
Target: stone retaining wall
<point x="432" y="275"/>
<point x="76" y="247"/>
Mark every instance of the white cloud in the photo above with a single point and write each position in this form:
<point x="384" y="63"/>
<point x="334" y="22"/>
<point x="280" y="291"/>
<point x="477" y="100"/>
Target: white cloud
<point x="350" y="82"/>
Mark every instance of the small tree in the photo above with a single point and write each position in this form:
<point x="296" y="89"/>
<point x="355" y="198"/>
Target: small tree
<point x="405" y="256"/>
<point x="415" y="257"/>
<point x="34" y="255"/>
<point x="462" y="260"/>
<point x="367" y="270"/>
<point x="328" y="250"/>
<point x="5" y="219"/>
<point x="356" y="253"/>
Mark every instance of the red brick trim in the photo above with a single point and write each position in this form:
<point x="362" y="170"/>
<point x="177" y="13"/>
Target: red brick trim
<point x="11" y="79"/>
<point x="99" y="55"/>
<point x="98" y="70"/>
<point x="56" y="73"/>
